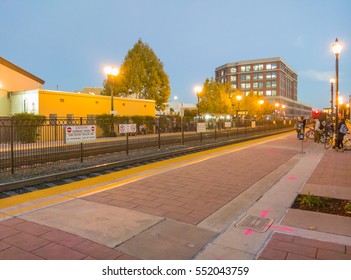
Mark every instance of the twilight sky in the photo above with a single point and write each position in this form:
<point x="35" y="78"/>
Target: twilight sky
<point x="67" y="43"/>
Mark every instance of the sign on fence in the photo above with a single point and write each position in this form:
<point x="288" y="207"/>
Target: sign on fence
<point x="80" y="133"/>
<point x="127" y="128"/>
<point x="227" y="124"/>
<point x="201" y="127"/>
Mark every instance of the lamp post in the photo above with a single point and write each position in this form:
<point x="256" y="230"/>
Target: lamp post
<point x="238" y="98"/>
<point x="332" y="81"/>
<point x="337" y="47"/>
<point x="111" y="72"/>
<point x="198" y="90"/>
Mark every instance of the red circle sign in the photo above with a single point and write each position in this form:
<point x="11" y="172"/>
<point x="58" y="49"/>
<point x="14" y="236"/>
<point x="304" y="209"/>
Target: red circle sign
<point x="92" y="128"/>
<point x="69" y="129"/>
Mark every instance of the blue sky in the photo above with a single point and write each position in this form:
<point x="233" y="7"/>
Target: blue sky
<point x="67" y="43"/>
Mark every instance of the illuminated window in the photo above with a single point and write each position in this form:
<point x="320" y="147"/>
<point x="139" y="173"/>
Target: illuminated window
<point x="245" y="68"/>
<point x="258" y="76"/>
<point x="233" y="70"/>
<point x="245" y="77"/>
<point x="258" y="67"/>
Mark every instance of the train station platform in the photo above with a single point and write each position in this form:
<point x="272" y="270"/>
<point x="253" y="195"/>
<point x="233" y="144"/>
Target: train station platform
<point x="229" y="203"/>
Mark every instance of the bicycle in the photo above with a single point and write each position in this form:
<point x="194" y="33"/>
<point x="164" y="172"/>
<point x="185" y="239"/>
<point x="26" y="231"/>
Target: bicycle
<point x="332" y="141"/>
<point x="309" y="134"/>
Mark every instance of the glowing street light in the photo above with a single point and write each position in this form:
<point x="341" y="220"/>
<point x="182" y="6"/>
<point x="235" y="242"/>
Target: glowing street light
<point x="337" y="47"/>
<point x="111" y="72"/>
<point x="197" y="91"/>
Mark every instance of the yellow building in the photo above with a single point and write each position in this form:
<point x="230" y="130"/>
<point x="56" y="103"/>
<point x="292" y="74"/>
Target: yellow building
<point x="71" y="104"/>
<point x="21" y="92"/>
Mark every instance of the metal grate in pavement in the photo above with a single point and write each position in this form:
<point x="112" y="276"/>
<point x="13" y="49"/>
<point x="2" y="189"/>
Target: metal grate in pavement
<point x="255" y="223"/>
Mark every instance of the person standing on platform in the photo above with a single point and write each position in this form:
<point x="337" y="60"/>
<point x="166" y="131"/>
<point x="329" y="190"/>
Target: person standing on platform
<point x="317" y="129"/>
<point x="341" y="132"/>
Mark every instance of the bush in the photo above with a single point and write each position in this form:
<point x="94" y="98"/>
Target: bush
<point x="27" y="127"/>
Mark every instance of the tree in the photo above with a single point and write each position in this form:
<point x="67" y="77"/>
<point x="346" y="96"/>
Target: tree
<point x="215" y="98"/>
<point x="142" y="76"/>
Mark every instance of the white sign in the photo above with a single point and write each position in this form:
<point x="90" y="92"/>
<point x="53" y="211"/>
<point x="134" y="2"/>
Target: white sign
<point x="80" y="133"/>
<point x="201" y="127"/>
<point x="127" y="128"/>
<point x="113" y="112"/>
<point x="227" y="124"/>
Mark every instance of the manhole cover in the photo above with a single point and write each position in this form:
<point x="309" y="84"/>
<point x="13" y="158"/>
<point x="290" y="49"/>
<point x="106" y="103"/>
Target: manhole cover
<point x="255" y="223"/>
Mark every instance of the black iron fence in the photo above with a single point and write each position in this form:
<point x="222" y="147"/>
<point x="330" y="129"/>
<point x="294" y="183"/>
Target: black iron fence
<point x="27" y="142"/>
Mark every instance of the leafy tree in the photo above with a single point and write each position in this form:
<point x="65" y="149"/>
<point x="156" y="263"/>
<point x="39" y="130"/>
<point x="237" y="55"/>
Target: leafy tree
<point x="142" y="76"/>
<point x="215" y="98"/>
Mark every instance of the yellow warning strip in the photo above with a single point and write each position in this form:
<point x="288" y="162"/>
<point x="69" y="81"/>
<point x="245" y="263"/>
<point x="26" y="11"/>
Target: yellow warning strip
<point x="152" y="168"/>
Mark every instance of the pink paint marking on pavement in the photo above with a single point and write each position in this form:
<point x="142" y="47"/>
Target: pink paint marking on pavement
<point x="264" y="213"/>
<point x="292" y="178"/>
<point x="282" y="228"/>
<point x="248" y="231"/>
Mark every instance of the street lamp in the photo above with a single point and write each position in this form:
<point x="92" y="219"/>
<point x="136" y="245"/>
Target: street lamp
<point x="337" y="47"/>
<point x="111" y="72"/>
<point x="198" y="90"/>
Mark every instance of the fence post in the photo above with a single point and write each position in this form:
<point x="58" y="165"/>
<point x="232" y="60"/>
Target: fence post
<point x="12" y="152"/>
<point x="127" y="143"/>
<point x="81" y="143"/>
<point x="159" y="137"/>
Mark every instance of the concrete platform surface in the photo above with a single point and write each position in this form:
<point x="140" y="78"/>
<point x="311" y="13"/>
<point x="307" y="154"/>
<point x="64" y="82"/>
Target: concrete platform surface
<point x="190" y="208"/>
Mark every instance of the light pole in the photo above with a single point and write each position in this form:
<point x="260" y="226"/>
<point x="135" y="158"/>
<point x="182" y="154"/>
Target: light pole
<point x="111" y="72"/>
<point x="198" y="90"/>
<point x="332" y="81"/>
<point x="337" y="47"/>
<point x="238" y="98"/>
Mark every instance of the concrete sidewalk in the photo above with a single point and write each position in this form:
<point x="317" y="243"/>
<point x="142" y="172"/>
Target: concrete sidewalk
<point x="229" y="203"/>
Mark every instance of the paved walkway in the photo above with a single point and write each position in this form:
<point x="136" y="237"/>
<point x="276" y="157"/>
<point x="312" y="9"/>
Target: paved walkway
<point x="228" y="203"/>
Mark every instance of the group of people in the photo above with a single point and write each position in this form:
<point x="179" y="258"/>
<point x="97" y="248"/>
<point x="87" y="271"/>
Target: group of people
<point x="341" y="131"/>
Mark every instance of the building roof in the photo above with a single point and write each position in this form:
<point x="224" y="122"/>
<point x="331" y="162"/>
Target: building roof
<point x="252" y="61"/>
<point x="17" y="69"/>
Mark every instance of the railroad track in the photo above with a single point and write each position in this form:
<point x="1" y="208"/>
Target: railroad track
<point x="44" y="182"/>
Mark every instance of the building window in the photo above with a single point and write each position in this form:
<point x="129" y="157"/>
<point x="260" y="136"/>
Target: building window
<point x="258" y="67"/>
<point x="258" y="76"/>
<point x="245" y="77"/>
<point x="268" y="84"/>
<point x="245" y="68"/>
<point x="271" y="75"/>
<point x="233" y="70"/>
<point x="268" y="92"/>
<point x="233" y="78"/>
<point x="274" y="84"/>
<point x="257" y="85"/>
<point x="260" y="92"/>
<point x="271" y="66"/>
<point x="245" y="86"/>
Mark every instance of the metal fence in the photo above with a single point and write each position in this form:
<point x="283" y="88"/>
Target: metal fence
<point x="27" y="143"/>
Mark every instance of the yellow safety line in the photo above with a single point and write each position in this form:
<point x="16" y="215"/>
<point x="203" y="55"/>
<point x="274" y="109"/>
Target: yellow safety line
<point x="167" y="165"/>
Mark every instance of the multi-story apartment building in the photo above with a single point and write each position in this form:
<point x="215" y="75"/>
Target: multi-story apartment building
<point x="271" y="78"/>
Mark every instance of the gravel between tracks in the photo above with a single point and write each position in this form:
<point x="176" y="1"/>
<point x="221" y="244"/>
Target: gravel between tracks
<point x="62" y="167"/>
